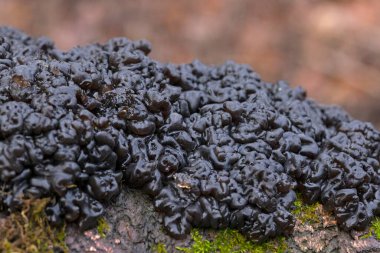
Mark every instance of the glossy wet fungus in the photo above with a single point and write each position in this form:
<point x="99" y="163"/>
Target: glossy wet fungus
<point x="214" y="146"/>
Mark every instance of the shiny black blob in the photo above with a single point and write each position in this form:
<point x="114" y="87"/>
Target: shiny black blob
<point x="214" y="146"/>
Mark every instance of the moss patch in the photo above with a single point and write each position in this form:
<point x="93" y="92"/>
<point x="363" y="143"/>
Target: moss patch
<point x="160" y="248"/>
<point x="29" y="231"/>
<point x="374" y="229"/>
<point x="306" y="213"/>
<point x="103" y="227"/>
<point x="231" y="241"/>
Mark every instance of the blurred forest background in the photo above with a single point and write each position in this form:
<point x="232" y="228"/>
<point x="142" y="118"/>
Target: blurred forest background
<point x="330" y="47"/>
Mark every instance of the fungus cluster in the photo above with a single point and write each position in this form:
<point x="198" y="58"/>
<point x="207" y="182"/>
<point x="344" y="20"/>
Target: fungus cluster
<point x="214" y="146"/>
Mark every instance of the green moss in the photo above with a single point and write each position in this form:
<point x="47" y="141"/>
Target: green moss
<point x="160" y="248"/>
<point x="103" y="227"/>
<point x="306" y="213"/>
<point x="231" y="241"/>
<point x="29" y="231"/>
<point x="374" y="229"/>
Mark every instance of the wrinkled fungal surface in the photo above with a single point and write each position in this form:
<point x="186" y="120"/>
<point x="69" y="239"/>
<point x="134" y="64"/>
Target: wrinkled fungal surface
<point x="214" y="146"/>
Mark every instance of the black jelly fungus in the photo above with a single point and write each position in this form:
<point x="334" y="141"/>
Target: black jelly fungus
<point x="214" y="146"/>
